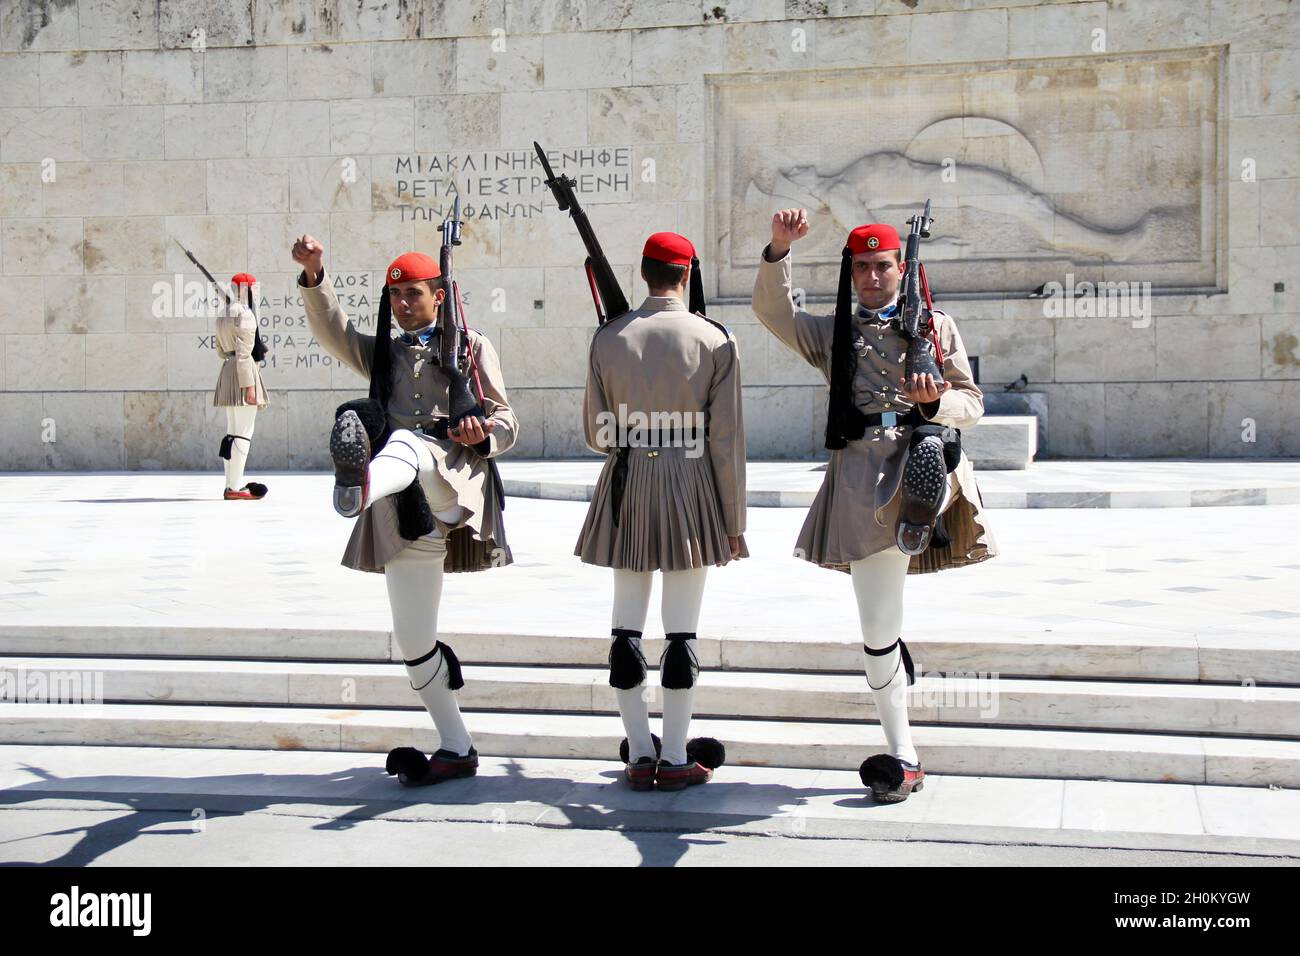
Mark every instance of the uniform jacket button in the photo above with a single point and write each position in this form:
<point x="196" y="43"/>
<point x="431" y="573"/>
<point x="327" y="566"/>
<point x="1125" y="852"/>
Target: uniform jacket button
<point x="416" y="395"/>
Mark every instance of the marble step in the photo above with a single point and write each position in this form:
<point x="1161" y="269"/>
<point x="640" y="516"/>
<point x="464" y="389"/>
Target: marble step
<point x="1001" y="442"/>
<point x="970" y="751"/>
<point x="1206" y="709"/>
<point x="1264" y="659"/>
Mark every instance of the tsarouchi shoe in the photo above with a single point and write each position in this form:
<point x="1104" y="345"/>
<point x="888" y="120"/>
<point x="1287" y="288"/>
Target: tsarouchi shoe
<point x="413" y="769"/>
<point x="253" y="491"/>
<point x="680" y="776"/>
<point x="891" y="780"/>
<point x="641" y="775"/>
<point x="350" y="449"/>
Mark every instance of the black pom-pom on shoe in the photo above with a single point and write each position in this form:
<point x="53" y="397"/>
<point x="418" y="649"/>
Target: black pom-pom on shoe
<point x="706" y="751"/>
<point x="406" y="761"/>
<point x="881" y="772"/>
<point x="623" y="749"/>
<point x="373" y="419"/>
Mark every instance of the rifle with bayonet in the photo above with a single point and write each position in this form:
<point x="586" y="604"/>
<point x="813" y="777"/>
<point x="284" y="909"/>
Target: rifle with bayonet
<point x="915" y="304"/>
<point x="259" y="347"/>
<point x="461" y="401"/>
<point x="605" y="290"/>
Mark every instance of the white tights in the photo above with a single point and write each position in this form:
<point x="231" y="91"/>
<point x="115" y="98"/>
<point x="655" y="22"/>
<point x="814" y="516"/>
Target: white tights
<point x="683" y="593"/>
<point x="414" y="580"/>
<point x="878" y="585"/>
<point x="239" y="422"/>
<point x="404" y="456"/>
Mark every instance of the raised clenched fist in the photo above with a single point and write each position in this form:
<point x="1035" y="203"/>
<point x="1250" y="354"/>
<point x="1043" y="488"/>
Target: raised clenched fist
<point x="309" y="253"/>
<point x="788" y="226"/>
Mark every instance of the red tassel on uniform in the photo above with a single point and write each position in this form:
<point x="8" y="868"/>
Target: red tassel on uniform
<point x="929" y="304"/>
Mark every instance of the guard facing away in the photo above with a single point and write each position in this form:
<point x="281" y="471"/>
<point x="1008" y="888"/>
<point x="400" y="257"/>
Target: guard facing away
<point x="663" y="403"/>
<point x="239" y="386"/>
<point x="423" y="487"/>
<point x="878" y="418"/>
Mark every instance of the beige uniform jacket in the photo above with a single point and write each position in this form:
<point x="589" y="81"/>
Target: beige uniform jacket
<point x="854" y="512"/>
<point x="419" y="399"/>
<point x="235" y="336"/>
<point x="660" y="367"/>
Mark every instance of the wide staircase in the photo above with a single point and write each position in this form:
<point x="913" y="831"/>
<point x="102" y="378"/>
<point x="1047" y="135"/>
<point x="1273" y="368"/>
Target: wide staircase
<point x="1219" y="711"/>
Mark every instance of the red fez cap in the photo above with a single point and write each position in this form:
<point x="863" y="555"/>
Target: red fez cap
<point x="412" y="267"/>
<point x="874" y="237"/>
<point x="243" y="278"/>
<point x="670" y="248"/>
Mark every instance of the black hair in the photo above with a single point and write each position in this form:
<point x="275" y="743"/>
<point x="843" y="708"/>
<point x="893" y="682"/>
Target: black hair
<point x="661" y="275"/>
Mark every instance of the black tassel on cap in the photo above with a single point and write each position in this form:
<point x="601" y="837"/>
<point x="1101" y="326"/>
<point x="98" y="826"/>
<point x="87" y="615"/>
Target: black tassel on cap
<point x="678" y="667"/>
<point x="454" y="679"/>
<point x="844" y="420"/>
<point x="381" y="377"/>
<point x="696" y="304"/>
<point x="626" y="662"/>
<point x="259" y="346"/>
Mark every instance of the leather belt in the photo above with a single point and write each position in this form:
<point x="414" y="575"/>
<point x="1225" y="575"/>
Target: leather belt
<point x="912" y="417"/>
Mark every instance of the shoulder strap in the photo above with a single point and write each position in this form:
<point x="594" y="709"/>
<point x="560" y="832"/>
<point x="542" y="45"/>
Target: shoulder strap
<point x="715" y="323"/>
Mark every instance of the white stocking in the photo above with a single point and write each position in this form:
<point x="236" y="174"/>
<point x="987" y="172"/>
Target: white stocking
<point x="680" y="609"/>
<point x="404" y="457"/>
<point x="239" y="422"/>
<point x="631" y="603"/>
<point x="414" y="580"/>
<point x="878" y="585"/>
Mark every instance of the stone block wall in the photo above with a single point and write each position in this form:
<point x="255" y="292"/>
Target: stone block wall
<point x="235" y="127"/>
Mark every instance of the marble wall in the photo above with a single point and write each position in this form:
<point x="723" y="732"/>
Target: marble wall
<point x="1167" y="126"/>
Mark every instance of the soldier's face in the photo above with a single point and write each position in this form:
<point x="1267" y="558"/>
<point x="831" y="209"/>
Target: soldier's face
<point x="414" y="304"/>
<point x="876" y="277"/>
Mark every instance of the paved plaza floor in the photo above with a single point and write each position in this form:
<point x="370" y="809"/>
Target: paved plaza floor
<point x="103" y="551"/>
